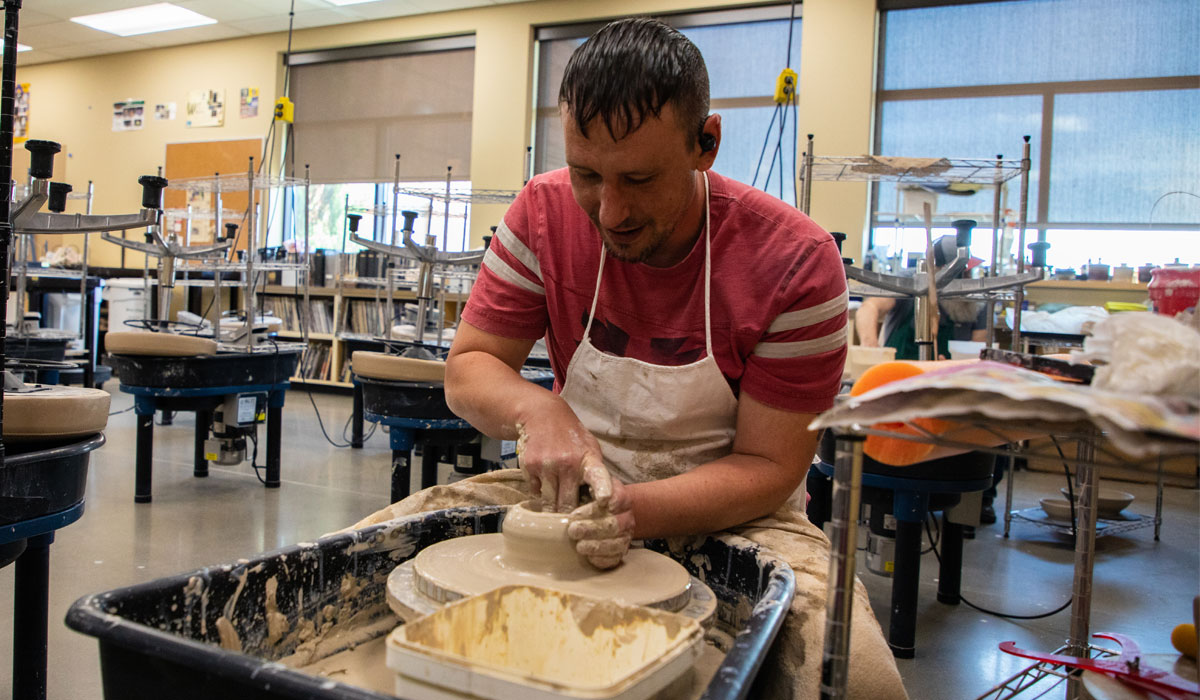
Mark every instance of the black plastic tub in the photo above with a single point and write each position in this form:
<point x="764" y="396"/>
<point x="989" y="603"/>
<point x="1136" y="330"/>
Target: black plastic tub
<point x="222" y="369"/>
<point x="394" y="399"/>
<point x="161" y="640"/>
<point x="34" y="347"/>
<point x="42" y="477"/>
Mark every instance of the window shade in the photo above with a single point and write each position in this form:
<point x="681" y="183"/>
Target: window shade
<point x="354" y="116"/>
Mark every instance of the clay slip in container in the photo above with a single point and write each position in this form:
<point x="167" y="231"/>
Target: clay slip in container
<point x="540" y="644"/>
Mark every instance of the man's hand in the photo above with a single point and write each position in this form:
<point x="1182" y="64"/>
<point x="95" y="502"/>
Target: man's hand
<point x="602" y="529"/>
<point x="558" y="455"/>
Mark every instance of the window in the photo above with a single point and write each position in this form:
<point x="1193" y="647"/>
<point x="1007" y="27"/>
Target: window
<point x="1109" y="91"/>
<point x="744" y="51"/>
<point x="356" y="109"/>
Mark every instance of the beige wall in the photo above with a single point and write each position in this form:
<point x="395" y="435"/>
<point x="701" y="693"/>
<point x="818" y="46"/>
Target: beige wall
<point x="71" y="101"/>
<point x="837" y="67"/>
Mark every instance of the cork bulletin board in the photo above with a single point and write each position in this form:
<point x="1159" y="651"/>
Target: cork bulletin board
<point x="204" y="159"/>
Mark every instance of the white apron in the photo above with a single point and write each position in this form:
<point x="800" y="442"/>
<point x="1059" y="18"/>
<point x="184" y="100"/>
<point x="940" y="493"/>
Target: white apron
<point x="653" y="421"/>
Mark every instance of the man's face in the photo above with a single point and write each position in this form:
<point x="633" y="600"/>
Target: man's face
<point x="639" y="191"/>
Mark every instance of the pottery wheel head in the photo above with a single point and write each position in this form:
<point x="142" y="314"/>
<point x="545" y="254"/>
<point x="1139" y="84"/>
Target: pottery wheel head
<point x="533" y="549"/>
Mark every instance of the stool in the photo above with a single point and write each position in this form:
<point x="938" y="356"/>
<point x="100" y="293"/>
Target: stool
<point x="912" y="492"/>
<point x="435" y="436"/>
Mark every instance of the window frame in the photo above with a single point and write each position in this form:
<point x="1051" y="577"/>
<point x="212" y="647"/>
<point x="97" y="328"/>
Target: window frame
<point x="678" y="20"/>
<point x="1038" y="223"/>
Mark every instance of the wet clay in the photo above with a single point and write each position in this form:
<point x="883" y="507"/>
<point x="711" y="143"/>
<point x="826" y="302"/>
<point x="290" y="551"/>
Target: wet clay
<point x="552" y="637"/>
<point x="364" y="666"/>
<point x="534" y="550"/>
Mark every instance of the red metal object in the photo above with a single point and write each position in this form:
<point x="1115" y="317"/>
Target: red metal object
<point x="1127" y="668"/>
<point x="1174" y="289"/>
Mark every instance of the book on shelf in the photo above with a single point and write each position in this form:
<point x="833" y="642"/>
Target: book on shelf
<point x="364" y="316"/>
<point x="287" y="309"/>
<point x="314" y="361"/>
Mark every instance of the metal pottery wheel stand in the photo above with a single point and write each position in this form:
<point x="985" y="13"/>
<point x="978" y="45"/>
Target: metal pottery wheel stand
<point x="846" y="492"/>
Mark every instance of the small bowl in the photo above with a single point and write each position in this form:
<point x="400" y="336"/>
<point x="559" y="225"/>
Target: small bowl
<point x="1109" y="503"/>
<point x="1057" y="508"/>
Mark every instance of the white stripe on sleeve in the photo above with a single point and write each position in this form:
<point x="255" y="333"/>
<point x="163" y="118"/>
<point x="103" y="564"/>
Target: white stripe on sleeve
<point x="501" y="269"/>
<point x="802" y="348"/>
<point x="811" y="316"/>
<point x="519" y="250"/>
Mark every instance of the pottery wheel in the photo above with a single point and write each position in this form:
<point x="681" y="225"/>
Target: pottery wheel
<point x="533" y="549"/>
<point x="54" y="412"/>
<point x="468" y="565"/>
<point x="157" y="344"/>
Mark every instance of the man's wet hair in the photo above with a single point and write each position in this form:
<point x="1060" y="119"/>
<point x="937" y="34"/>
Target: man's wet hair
<point x="630" y="69"/>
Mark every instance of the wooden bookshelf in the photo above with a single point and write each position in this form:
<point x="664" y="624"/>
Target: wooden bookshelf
<point x="336" y="310"/>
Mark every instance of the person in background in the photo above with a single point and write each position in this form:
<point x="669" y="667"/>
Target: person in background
<point x="959" y="319"/>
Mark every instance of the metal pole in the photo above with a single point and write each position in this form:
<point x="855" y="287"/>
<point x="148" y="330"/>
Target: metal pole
<point x="1019" y="295"/>
<point x="1158" y="498"/>
<point x="219" y="223"/>
<point x="446" y="214"/>
<point x="994" y="267"/>
<point x="83" y="313"/>
<point x="307" y="306"/>
<point x="1085" y="555"/>
<point x="1008" y="493"/>
<point x="8" y="85"/>
<point x="807" y="176"/>
<point x="839" y="601"/>
<point x="251" y="214"/>
<point x="387" y="259"/>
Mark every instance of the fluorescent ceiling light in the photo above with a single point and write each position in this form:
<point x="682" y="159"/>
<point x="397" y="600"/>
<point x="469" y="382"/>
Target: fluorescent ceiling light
<point x="20" y="47"/>
<point x="340" y="3"/>
<point x="160" y="17"/>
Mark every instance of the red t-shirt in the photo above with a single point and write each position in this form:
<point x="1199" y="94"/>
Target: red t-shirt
<point x="778" y="293"/>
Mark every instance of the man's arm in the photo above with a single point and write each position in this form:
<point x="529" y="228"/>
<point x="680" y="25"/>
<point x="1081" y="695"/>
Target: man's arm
<point x="866" y="319"/>
<point x="483" y="381"/>
<point x="484" y="387"/>
<point x="771" y="455"/>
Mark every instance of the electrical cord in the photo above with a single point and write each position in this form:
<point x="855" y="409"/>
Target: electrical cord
<point x="254" y="456"/>
<point x="937" y="530"/>
<point x="1074" y="531"/>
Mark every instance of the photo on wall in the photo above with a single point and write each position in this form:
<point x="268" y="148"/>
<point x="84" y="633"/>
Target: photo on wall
<point x="164" y="112"/>
<point x="129" y="115"/>
<point x="205" y="108"/>
<point x="21" y="113"/>
<point x="249" y="102"/>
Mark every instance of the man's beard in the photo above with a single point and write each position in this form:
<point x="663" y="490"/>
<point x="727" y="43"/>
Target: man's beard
<point x="960" y="310"/>
<point x="655" y="243"/>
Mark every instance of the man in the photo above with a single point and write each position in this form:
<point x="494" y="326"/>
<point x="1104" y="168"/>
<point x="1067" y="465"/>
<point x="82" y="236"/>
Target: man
<point x="695" y="326"/>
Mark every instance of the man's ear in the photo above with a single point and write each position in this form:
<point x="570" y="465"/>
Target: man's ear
<point x="709" y="141"/>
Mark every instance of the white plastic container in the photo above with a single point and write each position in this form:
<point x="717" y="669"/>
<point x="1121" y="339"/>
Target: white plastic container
<point x="965" y="349"/>
<point x="860" y="358"/>
<point x="527" y="643"/>
<point x="126" y="297"/>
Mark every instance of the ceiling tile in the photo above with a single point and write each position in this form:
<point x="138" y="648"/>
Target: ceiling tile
<point x="385" y="10"/>
<point x="60" y="34"/>
<point x="225" y="11"/>
<point x="29" y="18"/>
<point x="193" y="35"/>
<point x="262" y="25"/>
<point x="74" y="8"/>
<point x="32" y="58"/>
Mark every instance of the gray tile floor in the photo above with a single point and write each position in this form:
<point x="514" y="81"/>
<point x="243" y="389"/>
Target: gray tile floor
<point x="1144" y="588"/>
